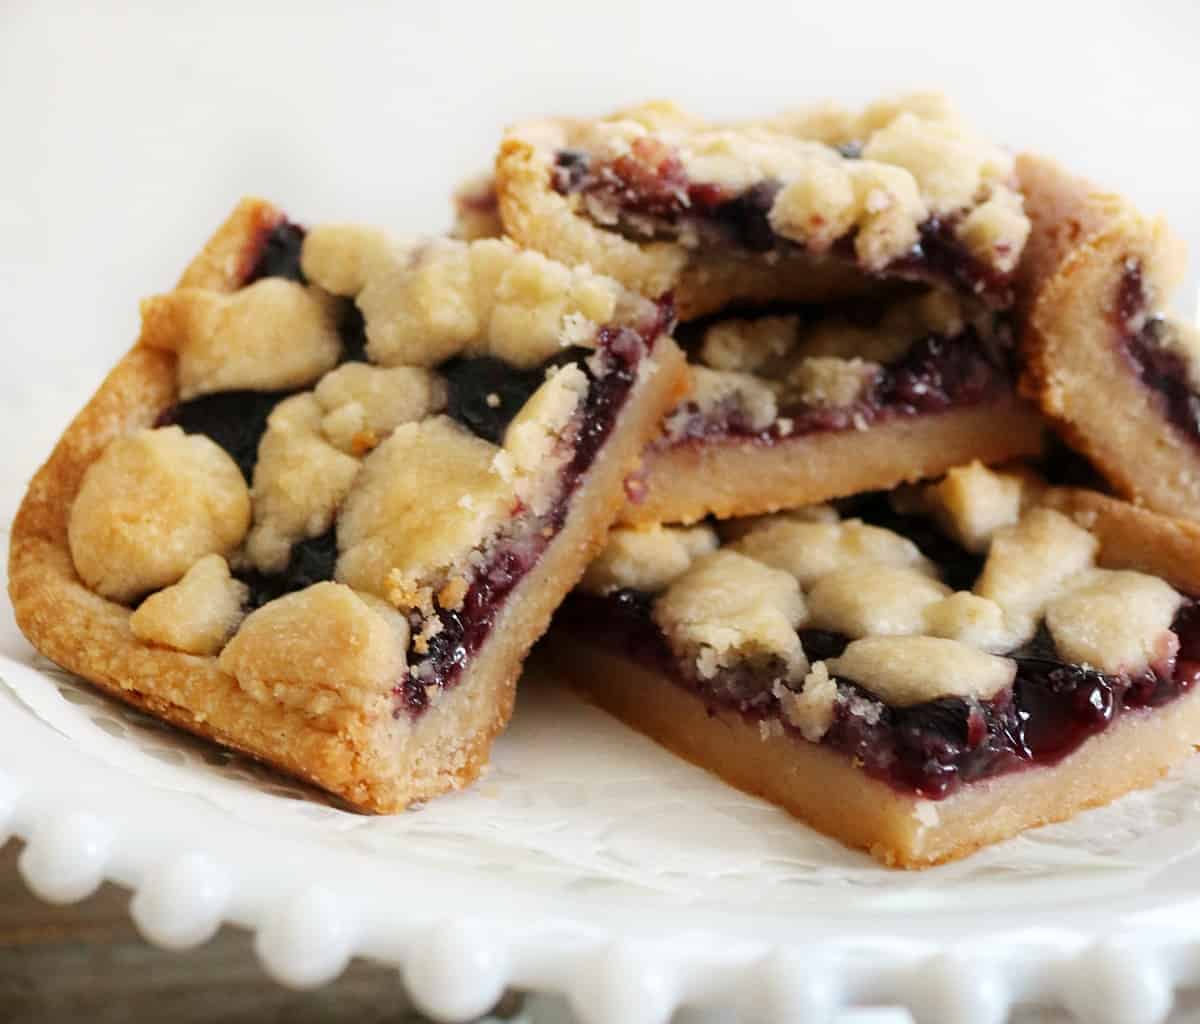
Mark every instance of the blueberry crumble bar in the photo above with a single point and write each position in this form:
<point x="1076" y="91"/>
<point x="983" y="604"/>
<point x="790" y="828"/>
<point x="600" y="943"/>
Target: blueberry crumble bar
<point x="832" y="400"/>
<point x="814" y="204"/>
<point x="328" y="501"/>
<point x="917" y="673"/>
<point x="1116" y="372"/>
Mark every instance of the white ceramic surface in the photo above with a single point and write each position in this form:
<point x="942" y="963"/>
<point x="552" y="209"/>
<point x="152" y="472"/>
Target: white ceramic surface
<point x="128" y="134"/>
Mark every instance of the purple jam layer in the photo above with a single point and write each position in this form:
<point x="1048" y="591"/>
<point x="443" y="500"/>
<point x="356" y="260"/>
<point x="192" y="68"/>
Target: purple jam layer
<point x="928" y="749"/>
<point x="650" y="191"/>
<point x="935" y="375"/>
<point x="465" y="629"/>
<point x="1145" y="341"/>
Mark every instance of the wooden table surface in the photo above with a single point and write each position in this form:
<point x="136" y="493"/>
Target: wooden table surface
<point x="87" y="962"/>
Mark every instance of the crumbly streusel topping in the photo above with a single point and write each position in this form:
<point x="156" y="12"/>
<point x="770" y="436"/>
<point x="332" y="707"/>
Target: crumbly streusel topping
<point x="874" y="177"/>
<point x="418" y="501"/>
<point x="152" y="505"/>
<point x="757" y="372"/>
<point x="426" y="303"/>
<point x="912" y="638"/>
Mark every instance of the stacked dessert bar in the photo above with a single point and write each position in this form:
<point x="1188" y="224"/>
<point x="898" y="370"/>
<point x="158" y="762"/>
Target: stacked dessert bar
<point x="778" y="395"/>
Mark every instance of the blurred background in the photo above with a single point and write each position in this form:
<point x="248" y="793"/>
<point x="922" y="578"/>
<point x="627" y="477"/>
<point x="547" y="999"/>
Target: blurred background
<point x="129" y="130"/>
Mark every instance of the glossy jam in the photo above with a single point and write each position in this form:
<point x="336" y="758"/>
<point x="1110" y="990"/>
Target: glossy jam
<point x="1160" y="368"/>
<point x="932" y="748"/>
<point x="465" y="629"/>
<point x="936" y="374"/>
<point x="652" y="197"/>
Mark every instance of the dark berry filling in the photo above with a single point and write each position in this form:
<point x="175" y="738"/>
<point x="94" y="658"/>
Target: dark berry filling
<point x="278" y="254"/>
<point x="931" y="748"/>
<point x="312" y="561"/>
<point x="485" y="394"/>
<point x="1145" y="340"/>
<point x="648" y="192"/>
<point x="936" y="374"/>
<point x="463" y="630"/>
<point x="235" y="420"/>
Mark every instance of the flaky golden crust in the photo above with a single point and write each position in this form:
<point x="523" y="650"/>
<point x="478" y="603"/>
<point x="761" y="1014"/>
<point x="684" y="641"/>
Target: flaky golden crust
<point x="687" y="482"/>
<point x="375" y="762"/>
<point x="826" y="789"/>
<point x="537" y="217"/>
<point x="1074" y="368"/>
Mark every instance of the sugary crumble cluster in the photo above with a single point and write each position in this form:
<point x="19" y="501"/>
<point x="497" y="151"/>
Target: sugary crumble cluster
<point x="873" y="177"/>
<point x="912" y="639"/>
<point x="166" y="521"/>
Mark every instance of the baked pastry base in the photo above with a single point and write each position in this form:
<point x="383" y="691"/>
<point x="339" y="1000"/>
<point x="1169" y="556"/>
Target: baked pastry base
<point x="539" y="218"/>
<point x="736" y="477"/>
<point x="825" y="789"/>
<point x="376" y="763"/>
<point x="1074" y="364"/>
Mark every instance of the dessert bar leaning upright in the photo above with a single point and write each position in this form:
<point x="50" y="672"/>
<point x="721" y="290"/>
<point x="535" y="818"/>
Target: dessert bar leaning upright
<point x="847" y="276"/>
<point x="916" y="674"/>
<point x="328" y="501"/>
<point x="1117" y="374"/>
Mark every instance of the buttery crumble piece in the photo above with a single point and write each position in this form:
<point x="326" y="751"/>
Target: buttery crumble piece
<point x="647" y="559"/>
<point x="811" y="550"/>
<point x="1115" y="621"/>
<point x="830" y="382"/>
<point x="1028" y="564"/>
<point x="402" y="516"/>
<point x="272" y="335"/>
<point x="728" y="608"/>
<point x="152" y="505"/>
<point x="425" y="305"/>
<point x="972" y="502"/>
<point x="323" y="650"/>
<point x="810" y="709"/>
<point x="300" y="480"/>
<point x="197" y="614"/>
<point x="719" y="389"/>
<point x="358" y="399"/>
<point x="873" y="600"/>
<point x="906" y="670"/>
<point x="747" y="345"/>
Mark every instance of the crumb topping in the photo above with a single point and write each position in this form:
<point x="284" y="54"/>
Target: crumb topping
<point x="197" y="614"/>
<point x="324" y="651"/>
<point x="728" y="608"/>
<point x="810" y="709"/>
<point x="1115" y="621"/>
<point x="648" y="558"/>
<point x="402" y="528"/>
<point x="726" y="393"/>
<point x="811" y="550"/>
<point x="829" y="174"/>
<point x="972" y="502"/>
<point x="874" y="600"/>
<point x="426" y="303"/>
<point x="536" y="440"/>
<point x="830" y="382"/>
<point x="1028" y="564"/>
<point x="898" y="669"/>
<point x="362" y="404"/>
<point x="299" y="482"/>
<point x="272" y="335"/>
<point x="747" y="346"/>
<point x="872" y="585"/>
<point x="153" y="504"/>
